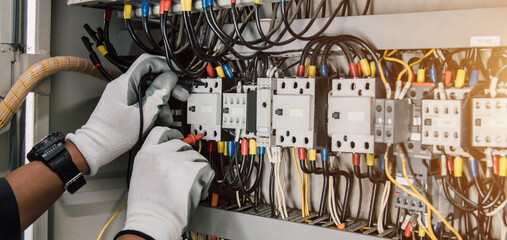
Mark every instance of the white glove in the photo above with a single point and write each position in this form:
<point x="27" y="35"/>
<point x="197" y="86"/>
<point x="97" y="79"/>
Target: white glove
<point x="113" y="127"/>
<point x="168" y="181"/>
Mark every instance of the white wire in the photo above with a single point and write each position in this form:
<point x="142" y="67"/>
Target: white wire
<point x="280" y="192"/>
<point x="284" y="155"/>
<point x="329" y="204"/>
<point x="269" y="71"/>
<point x="238" y="134"/>
<point x="277" y="193"/>
<point x="277" y="73"/>
<point x="332" y="202"/>
<point x="237" y="199"/>
<point x="383" y="205"/>
<point x="503" y="234"/>
<point x="421" y="224"/>
<point x="498" y="209"/>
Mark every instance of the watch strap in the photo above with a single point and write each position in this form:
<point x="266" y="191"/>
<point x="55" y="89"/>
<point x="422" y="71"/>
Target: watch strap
<point x="72" y="178"/>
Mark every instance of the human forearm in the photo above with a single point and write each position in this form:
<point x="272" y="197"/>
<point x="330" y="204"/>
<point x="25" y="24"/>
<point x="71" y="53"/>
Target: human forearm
<point x="36" y="187"/>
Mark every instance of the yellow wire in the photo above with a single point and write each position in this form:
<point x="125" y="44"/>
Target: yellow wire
<point x="110" y="220"/>
<point x="423" y="199"/>
<point x="381" y="71"/>
<point x="307" y="186"/>
<point x="300" y="182"/>
<point x="415" y="63"/>
<point x="407" y="67"/>
<point x="392" y="52"/>
<point x="307" y="65"/>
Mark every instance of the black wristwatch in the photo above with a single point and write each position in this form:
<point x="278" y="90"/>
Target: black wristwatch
<point x="52" y="152"/>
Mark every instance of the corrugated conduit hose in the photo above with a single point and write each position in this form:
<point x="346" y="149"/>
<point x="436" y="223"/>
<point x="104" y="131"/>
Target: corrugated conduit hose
<point x="38" y="71"/>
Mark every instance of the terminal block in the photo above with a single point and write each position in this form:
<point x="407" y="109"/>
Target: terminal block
<point x="204" y="109"/>
<point x="298" y="107"/>
<point x="351" y="115"/>
<point x="264" y="131"/>
<point x="405" y="201"/>
<point x="489" y="122"/>
<point x="392" y="120"/>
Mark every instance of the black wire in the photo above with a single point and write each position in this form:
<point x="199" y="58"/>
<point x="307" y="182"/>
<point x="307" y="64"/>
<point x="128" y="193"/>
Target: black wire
<point x="194" y="43"/>
<point x="107" y="41"/>
<point x="147" y="32"/>
<point x="226" y="39"/>
<point x="360" y="201"/>
<point x="238" y="34"/>
<point x="277" y="42"/>
<point x="169" y="54"/>
<point x="300" y="35"/>
<point x="139" y="142"/>
<point x="367" y="7"/>
<point x="323" y="198"/>
<point x="257" y="181"/>
<point x="272" y="190"/>
<point x="138" y="42"/>
<point x="348" y="189"/>
<point x="95" y="59"/>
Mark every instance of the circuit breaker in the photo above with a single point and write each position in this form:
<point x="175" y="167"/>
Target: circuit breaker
<point x="298" y="107"/>
<point x="489" y="122"/>
<point x="351" y="115"/>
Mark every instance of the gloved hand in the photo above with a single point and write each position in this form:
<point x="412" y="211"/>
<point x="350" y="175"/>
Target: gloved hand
<point x="113" y="127"/>
<point x="168" y="180"/>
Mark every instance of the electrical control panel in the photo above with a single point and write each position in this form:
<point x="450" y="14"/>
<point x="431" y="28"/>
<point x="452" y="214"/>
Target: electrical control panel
<point x="284" y="120"/>
<point x="297" y="107"/>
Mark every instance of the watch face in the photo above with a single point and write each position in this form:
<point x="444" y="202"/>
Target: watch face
<point x="52" y="151"/>
<point x="47" y="148"/>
